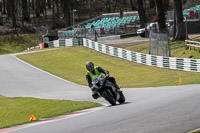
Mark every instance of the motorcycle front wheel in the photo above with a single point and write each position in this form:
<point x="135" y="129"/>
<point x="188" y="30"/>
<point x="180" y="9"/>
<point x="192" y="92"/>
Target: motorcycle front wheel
<point x="122" y="98"/>
<point x="107" y="94"/>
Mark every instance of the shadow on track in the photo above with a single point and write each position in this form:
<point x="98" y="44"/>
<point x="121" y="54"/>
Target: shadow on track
<point x="119" y="104"/>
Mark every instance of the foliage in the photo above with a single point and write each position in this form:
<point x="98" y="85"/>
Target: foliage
<point x="179" y="30"/>
<point x="54" y="13"/>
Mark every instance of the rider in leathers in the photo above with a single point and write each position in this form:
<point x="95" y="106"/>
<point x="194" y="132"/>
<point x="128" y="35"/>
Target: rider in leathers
<point x="92" y="71"/>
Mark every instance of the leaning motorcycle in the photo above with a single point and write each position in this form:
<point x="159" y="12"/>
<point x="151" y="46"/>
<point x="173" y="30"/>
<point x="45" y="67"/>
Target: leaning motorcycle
<point x="107" y="90"/>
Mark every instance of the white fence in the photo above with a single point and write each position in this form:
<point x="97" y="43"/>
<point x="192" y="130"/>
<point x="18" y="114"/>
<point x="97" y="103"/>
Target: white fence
<point x="192" y="44"/>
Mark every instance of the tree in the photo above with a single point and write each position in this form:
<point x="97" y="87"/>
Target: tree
<point x="25" y="13"/>
<point x="121" y="4"/>
<point x="8" y="7"/>
<point x="166" y="3"/>
<point x="141" y="12"/>
<point x="13" y="11"/>
<point x="57" y="7"/>
<point x="132" y="5"/>
<point x="108" y="5"/>
<point x="151" y="3"/>
<point x="33" y="5"/>
<point x="49" y="4"/>
<point x="161" y="15"/>
<point x="37" y="10"/>
<point x="1" y="12"/>
<point x="53" y="13"/>
<point x="179" y="27"/>
<point x="4" y="6"/>
<point x="66" y="4"/>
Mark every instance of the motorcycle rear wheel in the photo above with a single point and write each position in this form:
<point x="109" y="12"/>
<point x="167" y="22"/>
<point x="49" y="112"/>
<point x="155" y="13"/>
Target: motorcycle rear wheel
<point x="108" y="96"/>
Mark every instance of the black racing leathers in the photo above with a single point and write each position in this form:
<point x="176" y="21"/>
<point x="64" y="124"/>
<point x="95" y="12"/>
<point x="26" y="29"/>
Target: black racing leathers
<point x="100" y="69"/>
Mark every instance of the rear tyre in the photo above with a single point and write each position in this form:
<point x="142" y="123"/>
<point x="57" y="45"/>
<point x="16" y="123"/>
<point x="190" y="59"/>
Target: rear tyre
<point x="122" y="98"/>
<point x="108" y="96"/>
<point x="143" y="34"/>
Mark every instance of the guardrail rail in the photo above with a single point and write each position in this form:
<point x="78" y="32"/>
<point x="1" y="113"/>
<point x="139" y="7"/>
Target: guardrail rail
<point x="192" y="44"/>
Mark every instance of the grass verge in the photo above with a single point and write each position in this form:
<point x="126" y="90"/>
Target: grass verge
<point x="69" y="63"/>
<point x="15" y="111"/>
<point x="16" y="43"/>
<point x="198" y="131"/>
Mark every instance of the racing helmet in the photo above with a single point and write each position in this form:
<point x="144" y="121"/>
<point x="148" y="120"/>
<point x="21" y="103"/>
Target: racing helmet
<point x="90" y="66"/>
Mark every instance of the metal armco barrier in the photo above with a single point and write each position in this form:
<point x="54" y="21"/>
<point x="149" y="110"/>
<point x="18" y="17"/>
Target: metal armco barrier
<point x="184" y="64"/>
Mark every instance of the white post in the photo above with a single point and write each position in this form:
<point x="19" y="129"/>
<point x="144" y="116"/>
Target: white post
<point x="185" y="27"/>
<point x="74" y="10"/>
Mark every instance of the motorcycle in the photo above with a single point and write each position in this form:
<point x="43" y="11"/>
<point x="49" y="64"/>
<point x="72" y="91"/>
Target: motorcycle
<point x="107" y="90"/>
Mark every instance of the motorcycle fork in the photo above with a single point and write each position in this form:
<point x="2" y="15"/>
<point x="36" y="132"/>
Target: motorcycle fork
<point x="99" y="94"/>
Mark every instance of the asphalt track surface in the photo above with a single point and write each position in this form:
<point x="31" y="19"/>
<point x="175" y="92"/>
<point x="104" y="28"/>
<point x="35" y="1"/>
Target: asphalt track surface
<point x="127" y="40"/>
<point x="173" y="109"/>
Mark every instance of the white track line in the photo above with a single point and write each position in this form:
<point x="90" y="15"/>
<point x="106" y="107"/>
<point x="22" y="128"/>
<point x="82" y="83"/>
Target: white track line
<point x="34" y="51"/>
<point x="46" y="72"/>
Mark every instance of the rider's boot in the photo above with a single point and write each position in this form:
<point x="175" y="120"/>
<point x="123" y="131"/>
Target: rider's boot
<point x="95" y="95"/>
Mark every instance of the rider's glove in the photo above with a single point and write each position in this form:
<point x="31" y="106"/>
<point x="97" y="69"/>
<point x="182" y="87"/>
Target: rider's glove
<point x="92" y="88"/>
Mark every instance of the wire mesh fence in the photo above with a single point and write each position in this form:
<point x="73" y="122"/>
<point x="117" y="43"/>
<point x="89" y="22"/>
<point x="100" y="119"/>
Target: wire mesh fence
<point x="82" y="33"/>
<point x="94" y="32"/>
<point x="159" y="44"/>
<point x="108" y="24"/>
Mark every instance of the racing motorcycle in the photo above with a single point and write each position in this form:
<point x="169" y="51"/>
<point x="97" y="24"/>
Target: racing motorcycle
<point x="107" y="90"/>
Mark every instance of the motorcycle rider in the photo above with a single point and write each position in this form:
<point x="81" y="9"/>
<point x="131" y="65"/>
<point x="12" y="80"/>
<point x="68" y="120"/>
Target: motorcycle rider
<point x="94" y="72"/>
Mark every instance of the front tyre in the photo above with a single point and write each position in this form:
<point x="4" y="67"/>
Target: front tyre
<point x="122" y="98"/>
<point x="108" y="96"/>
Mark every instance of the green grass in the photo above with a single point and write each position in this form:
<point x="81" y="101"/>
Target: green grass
<point x="141" y="48"/>
<point x="16" y="43"/>
<point x="177" y="50"/>
<point x="69" y="63"/>
<point x="15" y="111"/>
